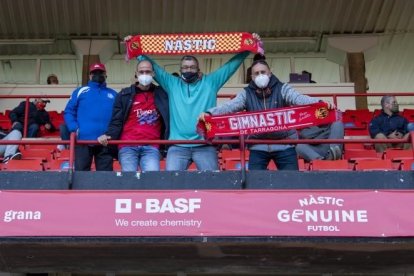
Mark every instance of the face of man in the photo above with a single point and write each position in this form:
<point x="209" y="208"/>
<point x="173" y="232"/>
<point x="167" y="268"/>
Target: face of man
<point x="144" y="74"/>
<point x="53" y="81"/>
<point x="392" y="105"/>
<point x="261" y="75"/>
<point x="189" y="66"/>
<point x="260" y="69"/>
<point x="40" y="104"/>
<point x="189" y="70"/>
<point x="98" y="76"/>
<point x="144" y="68"/>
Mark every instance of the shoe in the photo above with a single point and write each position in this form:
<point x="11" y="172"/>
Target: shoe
<point x="336" y="152"/>
<point x="60" y="147"/>
<point x="330" y="155"/>
<point x="16" y="156"/>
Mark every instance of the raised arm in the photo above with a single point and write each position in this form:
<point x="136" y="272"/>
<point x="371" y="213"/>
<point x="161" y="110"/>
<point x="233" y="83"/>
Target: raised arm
<point x="224" y="73"/>
<point x="164" y="78"/>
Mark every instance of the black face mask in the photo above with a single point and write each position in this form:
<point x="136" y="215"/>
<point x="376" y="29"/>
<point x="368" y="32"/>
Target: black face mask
<point x="189" y="77"/>
<point x="98" y="77"/>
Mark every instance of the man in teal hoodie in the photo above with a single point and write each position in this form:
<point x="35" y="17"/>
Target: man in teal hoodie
<point x="189" y="95"/>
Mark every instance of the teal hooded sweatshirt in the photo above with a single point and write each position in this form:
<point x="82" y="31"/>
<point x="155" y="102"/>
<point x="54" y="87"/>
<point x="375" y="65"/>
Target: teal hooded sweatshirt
<point x="188" y="100"/>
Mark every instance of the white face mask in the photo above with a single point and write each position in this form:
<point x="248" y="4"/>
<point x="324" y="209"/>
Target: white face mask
<point x="144" y="79"/>
<point x="262" y="80"/>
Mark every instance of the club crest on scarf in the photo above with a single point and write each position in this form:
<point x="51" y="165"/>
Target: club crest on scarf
<point x="321" y="113"/>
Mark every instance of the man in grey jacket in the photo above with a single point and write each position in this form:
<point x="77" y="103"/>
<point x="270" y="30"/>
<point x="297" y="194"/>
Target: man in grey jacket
<point x="265" y="91"/>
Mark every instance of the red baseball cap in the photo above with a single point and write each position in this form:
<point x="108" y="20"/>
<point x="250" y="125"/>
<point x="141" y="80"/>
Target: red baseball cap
<point x="97" y="66"/>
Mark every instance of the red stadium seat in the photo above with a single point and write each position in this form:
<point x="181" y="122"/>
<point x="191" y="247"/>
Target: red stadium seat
<point x="51" y="148"/>
<point x="358" y="146"/>
<point x="57" y="165"/>
<point x="407" y="165"/>
<point x="356" y="122"/>
<point x="117" y="166"/>
<point x="23" y="165"/>
<point x="376" y="112"/>
<point x="302" y="165"/>
<point x="41" y="154"/>
<point x="330" y="165"/>
<point x="63" y="155"/>
<point x="163" y="165"/>
<point x="408" y="114"/>
<point x="355" y="154"/>
<point x="354" y="116"/>
<point x="272" y="166"/>
<point x="233" y="165"/>
<point x="398" y="154"/>
<point x="192" y="167"/>
<point x="232" y="154"/>
<point x="375" y="165"/>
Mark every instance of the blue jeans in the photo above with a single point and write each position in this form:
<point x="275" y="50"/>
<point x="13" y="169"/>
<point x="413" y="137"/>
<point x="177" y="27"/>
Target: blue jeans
<point x="146" y="157"/>
<point x="32" y="130"/>
<point x="180" y="158"/>
<point x="284" y="159"/>
<point x="7" y="150"/>
<point x="64" y="132"/>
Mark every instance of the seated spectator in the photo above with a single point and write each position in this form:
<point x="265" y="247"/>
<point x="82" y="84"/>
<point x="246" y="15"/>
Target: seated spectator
<point x="311" y="152"/>
<point x="389" y="124"/>
<point x="10" y="152"/>
<point x="38" y="116"/>
<point x="140" y="113"/>
<point x="52" y="79"/>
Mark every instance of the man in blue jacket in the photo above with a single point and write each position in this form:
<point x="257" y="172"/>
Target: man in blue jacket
<point x="88" y="113"/>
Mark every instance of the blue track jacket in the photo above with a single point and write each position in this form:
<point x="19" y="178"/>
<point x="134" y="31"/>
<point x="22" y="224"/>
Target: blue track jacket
<point x="89" y="110"/>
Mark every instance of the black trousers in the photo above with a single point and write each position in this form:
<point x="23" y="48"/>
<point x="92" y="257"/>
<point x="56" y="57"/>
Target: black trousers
<point x="84" y="154"/>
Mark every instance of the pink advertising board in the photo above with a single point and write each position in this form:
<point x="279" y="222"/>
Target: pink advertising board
<point x="344" y="213"/>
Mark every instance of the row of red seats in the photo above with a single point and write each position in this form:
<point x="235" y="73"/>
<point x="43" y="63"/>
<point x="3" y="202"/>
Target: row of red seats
<point x="336" y="165"/>
<point x="46" y="157"/>
<point x="353" y="159"/>
<point x="316" y="165"/>
<point x="356" y="121"/>
<point x="55" y="117"/>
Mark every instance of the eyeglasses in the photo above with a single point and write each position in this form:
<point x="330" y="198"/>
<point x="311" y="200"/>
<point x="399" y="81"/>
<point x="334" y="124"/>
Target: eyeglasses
<point x="192" y="67"/>
<point x="147" y="72"/>
<point x="262" y="72"/>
